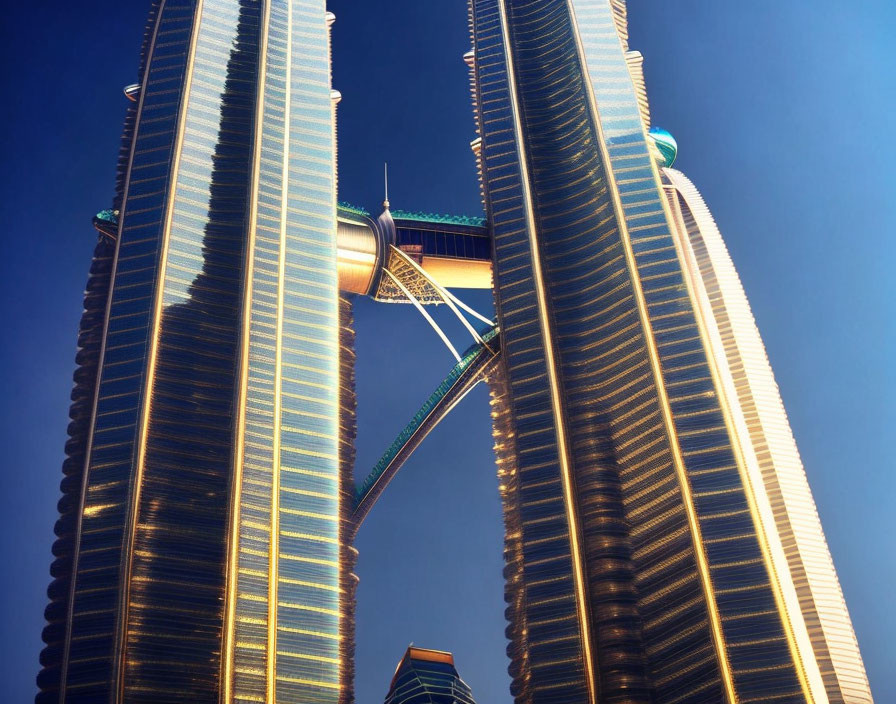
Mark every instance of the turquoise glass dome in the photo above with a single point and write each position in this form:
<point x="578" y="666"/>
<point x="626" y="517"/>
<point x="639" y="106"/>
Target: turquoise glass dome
<point x="666" y="143"/>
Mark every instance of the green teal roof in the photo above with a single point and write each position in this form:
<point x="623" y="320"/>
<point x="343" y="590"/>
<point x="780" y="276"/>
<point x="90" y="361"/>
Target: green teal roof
<point x="108" y="215"/>
<point x="353" y="209"/>
<point x="467" y="220"/>
<point x="666" y="143"/>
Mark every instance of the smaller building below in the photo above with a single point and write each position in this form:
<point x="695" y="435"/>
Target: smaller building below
<point x="428" y="677"/>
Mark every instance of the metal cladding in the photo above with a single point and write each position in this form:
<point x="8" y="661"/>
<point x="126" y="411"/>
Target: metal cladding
<point x="347" y="524"/>
<point x="359" y="252"/>
<point x="661" y="546"/>
<point x="454" y="250"/>
<point x="90" y="335"/>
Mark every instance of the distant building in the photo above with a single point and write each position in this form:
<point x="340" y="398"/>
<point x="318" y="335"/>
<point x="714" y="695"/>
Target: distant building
<point x="427" y="677"/>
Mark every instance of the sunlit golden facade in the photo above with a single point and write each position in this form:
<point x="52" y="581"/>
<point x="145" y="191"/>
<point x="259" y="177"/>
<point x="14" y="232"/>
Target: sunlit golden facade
<point x="767" y="441"/>
<point x="203" y="549"/>
<point x="661" y="541"/>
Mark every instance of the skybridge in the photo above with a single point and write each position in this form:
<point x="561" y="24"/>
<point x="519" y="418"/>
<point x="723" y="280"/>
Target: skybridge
<point x="415" y="258"/>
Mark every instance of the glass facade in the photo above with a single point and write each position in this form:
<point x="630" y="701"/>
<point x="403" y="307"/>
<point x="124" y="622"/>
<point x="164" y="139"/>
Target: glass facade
<point x="203" y="547"/>
<point x="442" y="240"/>
<point x="640" y="562"/>
<point x="428" y="677"/>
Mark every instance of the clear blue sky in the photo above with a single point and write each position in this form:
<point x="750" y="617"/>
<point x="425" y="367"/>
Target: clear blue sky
<point x="783" y="113"/>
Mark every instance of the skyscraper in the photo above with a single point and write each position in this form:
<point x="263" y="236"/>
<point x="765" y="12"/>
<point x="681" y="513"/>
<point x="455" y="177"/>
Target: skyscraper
<point x="202" y="547"/>
<point x="427" y="677"/>
<point x="661" y="541"/>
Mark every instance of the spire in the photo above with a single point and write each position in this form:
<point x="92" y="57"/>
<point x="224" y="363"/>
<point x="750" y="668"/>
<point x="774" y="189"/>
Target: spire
<point x="386" y="185"/>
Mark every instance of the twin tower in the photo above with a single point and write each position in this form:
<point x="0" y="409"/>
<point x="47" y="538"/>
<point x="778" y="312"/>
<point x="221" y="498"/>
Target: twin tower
<point x="662" y="544"/>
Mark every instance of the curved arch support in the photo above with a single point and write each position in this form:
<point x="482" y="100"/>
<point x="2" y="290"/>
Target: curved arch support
<point x="404" y="289"/>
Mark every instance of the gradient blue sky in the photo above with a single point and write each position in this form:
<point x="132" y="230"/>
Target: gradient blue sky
<point x="783" y="113"/>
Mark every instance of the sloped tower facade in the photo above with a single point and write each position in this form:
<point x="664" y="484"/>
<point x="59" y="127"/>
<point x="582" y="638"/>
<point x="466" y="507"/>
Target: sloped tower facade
<point x="650" y="555"/>
<point x="202" y="552"/>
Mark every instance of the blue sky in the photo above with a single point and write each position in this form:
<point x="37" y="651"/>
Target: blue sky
<point x="783" y="114"/>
